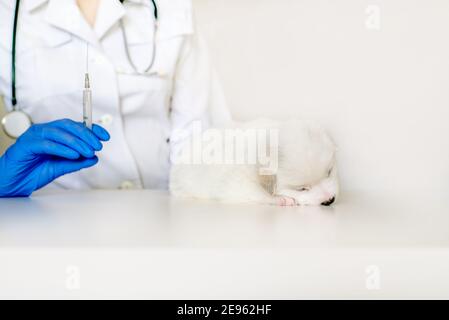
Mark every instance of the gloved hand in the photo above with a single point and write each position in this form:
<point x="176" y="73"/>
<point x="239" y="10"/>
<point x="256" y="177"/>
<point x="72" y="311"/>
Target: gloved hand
<point x="47" y="151"/>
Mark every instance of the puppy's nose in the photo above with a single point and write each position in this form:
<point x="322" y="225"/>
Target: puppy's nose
<point x="328" y="203"/>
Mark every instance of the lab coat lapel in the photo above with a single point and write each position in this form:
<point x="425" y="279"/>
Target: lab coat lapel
<point x="65" y="15"/>
<point x="109" y="13"/>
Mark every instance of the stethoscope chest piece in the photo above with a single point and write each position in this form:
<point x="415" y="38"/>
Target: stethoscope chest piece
<point x="15" y="123"/>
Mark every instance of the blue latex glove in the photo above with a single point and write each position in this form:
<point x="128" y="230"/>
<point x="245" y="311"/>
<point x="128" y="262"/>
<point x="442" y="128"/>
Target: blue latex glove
<point x="47" y="151"/>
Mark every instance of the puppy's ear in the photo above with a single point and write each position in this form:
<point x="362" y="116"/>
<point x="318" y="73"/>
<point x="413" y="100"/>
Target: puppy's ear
<point x="269" y="182"/>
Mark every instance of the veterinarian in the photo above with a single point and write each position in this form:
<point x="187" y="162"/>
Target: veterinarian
<point x="149" y="74"/>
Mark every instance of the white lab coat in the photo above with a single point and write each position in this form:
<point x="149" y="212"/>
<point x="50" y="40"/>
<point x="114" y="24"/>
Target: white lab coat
<point x="142" y="113"/>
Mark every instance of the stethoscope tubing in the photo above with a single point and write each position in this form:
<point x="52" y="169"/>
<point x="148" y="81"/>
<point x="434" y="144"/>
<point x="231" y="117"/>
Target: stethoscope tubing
<point x="128" y="54"/>
<point x="13" y="52"/>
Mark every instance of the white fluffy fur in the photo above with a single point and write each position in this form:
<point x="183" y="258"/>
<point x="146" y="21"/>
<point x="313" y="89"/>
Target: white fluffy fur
<point x="307" y="172"/>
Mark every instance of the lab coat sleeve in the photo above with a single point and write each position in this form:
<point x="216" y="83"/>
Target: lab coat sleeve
<point x="197" y="94"/>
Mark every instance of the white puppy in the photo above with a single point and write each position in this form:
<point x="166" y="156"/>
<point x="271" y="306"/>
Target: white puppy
<point x="295" y="164"/>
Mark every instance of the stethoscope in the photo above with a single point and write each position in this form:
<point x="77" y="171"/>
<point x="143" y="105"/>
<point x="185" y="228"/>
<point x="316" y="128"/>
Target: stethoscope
<point x="16" y="122"/>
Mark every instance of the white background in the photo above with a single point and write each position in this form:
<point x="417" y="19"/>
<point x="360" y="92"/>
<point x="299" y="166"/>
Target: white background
<point x="383" y="92"/>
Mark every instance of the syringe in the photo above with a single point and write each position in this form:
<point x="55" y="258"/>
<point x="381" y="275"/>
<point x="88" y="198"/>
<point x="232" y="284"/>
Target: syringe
<point x="87" y="103"/>
<point x="87" y="96"/>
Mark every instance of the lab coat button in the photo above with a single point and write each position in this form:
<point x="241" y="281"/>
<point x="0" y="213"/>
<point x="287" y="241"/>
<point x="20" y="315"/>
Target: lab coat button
<point x="106" y="120"/>
<point x="126" y="185"/>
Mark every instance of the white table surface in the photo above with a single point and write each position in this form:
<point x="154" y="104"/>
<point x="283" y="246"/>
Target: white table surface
<point x="145" y="244"/>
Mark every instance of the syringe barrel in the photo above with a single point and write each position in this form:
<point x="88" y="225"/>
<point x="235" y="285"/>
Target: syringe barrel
<point x="87" y="108"/>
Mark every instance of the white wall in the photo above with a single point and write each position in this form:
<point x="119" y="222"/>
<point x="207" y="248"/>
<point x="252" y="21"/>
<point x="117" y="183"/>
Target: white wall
<point x="383" y="94"/>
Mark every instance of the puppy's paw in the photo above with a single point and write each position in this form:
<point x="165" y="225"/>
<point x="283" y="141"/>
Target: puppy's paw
<point x="286" y="201"/>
